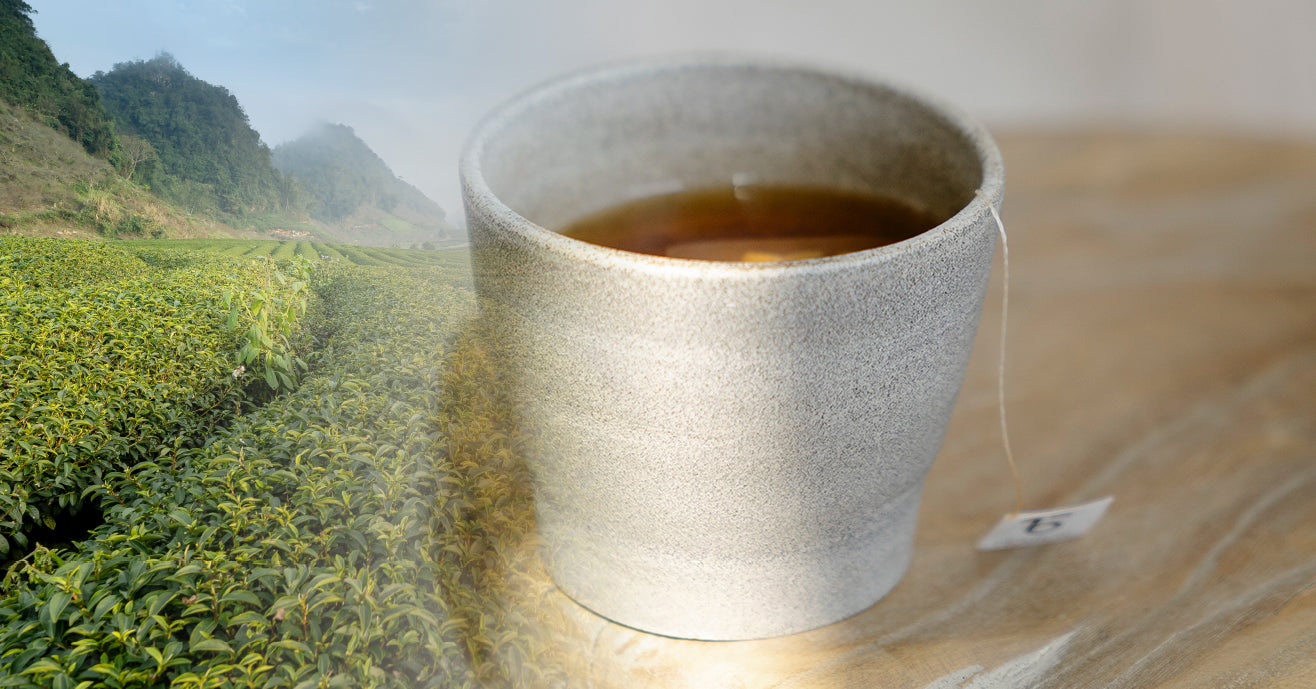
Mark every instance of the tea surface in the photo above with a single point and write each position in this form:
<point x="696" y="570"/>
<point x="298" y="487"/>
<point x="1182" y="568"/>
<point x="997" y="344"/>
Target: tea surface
<point x="753" y="224"/>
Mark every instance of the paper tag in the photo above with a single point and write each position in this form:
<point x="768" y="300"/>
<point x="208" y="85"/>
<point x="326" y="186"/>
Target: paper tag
<point x="1038" y="527"/>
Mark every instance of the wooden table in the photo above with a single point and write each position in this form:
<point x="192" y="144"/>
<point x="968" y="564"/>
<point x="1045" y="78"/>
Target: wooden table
<point x="1162" y="350"/>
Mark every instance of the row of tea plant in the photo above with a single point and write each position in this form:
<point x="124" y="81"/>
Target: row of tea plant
<point x="316" y="250"/>
<point x="365" y="525"/>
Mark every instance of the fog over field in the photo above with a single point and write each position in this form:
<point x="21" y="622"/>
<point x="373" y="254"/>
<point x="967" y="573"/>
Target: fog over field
<point x="412" y="78"/>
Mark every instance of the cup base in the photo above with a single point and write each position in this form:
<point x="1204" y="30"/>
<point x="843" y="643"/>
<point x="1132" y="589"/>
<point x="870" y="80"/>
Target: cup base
<point x="725" y="600"/>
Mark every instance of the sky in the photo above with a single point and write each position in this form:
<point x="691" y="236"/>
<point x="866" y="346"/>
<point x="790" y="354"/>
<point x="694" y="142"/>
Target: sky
<point x="413" y="77"/>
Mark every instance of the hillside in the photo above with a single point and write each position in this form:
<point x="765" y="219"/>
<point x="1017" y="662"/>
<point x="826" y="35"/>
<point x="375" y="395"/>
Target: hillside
<point x="352" y="190"/>
<point x="62" y="166"/>
<point x="202" y="153"/>
<point x="149" y="150"/>
<point x="50" y="186"/>
<point x="32" y="79"/>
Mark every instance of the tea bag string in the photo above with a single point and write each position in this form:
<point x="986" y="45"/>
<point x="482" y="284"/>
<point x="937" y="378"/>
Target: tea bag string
<point x="1000" y="365"/>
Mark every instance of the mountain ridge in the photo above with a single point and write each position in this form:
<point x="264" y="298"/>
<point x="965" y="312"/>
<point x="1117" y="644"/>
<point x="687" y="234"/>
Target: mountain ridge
<point x="161" y="153"/>
<point x="348" y="184"/>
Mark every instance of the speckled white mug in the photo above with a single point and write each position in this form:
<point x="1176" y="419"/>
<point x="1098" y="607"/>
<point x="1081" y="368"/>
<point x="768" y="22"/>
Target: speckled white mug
<point x="728" y="450"/>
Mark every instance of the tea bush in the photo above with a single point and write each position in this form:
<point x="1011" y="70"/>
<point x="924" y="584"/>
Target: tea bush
<point x="328" y="251"/>
<point x="361" y="530"/>
<point x="270" y="313"/>
<point x="255" y="248"/>
<point x="41" y="263"/>
<point x="104" y="359"/>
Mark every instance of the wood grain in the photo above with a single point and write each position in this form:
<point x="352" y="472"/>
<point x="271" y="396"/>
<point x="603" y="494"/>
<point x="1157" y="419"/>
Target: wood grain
<point x="1163" y="350"/>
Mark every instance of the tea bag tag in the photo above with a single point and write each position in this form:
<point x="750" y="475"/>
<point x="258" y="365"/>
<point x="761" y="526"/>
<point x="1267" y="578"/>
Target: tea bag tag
<point x="1039" y="527"/>
<point x="1033" y="527"/>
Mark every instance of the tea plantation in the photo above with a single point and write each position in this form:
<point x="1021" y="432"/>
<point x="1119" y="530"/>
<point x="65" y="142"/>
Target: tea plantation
<point x="364" y="526"/>
<point x="357" y="255"/>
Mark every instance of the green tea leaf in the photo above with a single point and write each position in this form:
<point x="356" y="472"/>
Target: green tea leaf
<point x="212" y="645"/>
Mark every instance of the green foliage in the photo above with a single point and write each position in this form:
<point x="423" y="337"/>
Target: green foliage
<point x="49" y="185"/>
<point x="260" y="248"/>
<point x="31" y="78"/>
<point x="273" y="222"/>
<point x="210" y="160"/>
<point x="270" y="313"/>
<point x="285" y="249"/>
<point x="136" y="153"/>
<point x="327" y="251"/>
<point x="103" y="361"/>
<point x="371" y="528"/>
<point x="318" y="251"/>
<point x="396" y="224"/>
<point x="38" y="264"/>
<point x="101" y="208"/>
<point x="101" y="211"/>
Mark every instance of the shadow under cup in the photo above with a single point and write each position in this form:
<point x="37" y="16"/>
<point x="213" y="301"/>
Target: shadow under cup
<point x="727" y="450"/>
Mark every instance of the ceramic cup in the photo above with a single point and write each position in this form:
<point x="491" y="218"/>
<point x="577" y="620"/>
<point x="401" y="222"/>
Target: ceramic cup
<point x="727" y="450"/>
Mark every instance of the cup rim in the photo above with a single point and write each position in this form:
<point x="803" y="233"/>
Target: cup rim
<point x="477" y="193"/>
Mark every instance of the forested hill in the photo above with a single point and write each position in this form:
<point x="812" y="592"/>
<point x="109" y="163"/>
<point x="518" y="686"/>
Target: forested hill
<point x="349" y="186"/>
<point x="163" y="153"/>
<point x="190" y="141"/>
<point x="32" y="79"/>
<point x="62" y="166"/>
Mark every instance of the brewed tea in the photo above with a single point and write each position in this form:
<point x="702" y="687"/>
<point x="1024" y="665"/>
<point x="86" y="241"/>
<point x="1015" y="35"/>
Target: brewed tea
<point x="753" y="224"/>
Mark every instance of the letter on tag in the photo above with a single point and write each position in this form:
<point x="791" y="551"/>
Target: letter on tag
<point x="1038" y="527"/>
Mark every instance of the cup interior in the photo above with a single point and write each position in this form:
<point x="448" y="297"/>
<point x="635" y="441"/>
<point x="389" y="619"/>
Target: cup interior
<point x="589" y="143"/>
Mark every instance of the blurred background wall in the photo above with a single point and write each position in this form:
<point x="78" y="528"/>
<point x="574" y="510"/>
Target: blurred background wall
<point x="1221" y="63"/>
